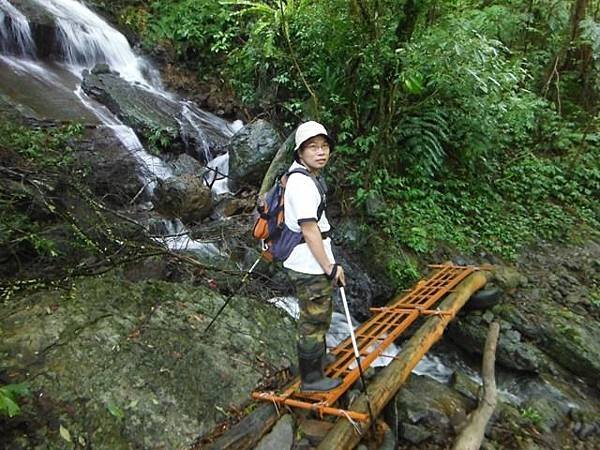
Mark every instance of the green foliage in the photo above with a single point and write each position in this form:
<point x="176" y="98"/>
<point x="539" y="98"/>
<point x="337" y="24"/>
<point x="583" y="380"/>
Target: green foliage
<point x="36" y="149"/>
<point x="160" y="139"/>
<point x="115" y="411"/>
<point x="135" y="18"/>
<point x="47" y="148"/>
<point x="198" y="30"/>
<point x="473" y="123"/>
<point x="9" y="395"/>
<point x="531" y="414"/>
<point x="51" y="225"/>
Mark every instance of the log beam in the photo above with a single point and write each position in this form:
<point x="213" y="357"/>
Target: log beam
<point x="387" y="383"/>
<point x="246" y="434"/>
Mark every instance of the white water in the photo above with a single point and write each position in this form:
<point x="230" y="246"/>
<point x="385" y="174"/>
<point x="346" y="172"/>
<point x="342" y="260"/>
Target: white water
<point x="87" y="40"/>
<point x="217" y="178"/>
<point x="35" y="70"/>
<point x="202" y="147"/>
<point x="151" y="164"/>
<point x="178" y="239"/>
<point x="14" y="28"/>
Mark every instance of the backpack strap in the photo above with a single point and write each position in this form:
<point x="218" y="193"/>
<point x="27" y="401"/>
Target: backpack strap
<point x="322" y="190"/>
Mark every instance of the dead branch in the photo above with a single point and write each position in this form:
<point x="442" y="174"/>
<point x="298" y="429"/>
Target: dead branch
<point x="472" y="433"/>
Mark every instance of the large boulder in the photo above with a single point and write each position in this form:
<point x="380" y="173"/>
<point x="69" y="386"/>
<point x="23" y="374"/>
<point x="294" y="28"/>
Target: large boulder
<point x="279" y="164"/>
<point x="184" y="164"/>
<point x="429" y="411"/>
<point x="163" y="123"/>
<point x="250" y="152"/>
<point x="185" y="197"/>
<point x="118" y="365"/>
<point x="152" y="116"/>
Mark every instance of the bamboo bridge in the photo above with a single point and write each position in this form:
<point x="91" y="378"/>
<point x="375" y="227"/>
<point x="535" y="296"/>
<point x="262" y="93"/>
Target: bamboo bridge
<point x="373" y="337"/>
<point x="437" y="299"/>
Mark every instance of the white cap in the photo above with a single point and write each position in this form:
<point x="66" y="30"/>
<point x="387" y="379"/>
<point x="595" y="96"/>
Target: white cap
<point x="309" y="130"/>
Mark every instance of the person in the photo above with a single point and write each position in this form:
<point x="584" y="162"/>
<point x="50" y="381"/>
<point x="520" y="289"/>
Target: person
<point x="311" y="265"/>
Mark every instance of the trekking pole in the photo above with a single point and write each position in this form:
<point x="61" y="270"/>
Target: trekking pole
<point x="357" y="354"/>
<point x="244" y="278"/>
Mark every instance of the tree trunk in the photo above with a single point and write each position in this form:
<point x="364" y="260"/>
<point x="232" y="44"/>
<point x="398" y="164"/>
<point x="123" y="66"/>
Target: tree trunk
<point x="471" y="435"/>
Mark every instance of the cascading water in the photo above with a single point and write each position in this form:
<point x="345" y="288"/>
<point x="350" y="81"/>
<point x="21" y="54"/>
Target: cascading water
<point x="216" y="178"/>
<point x="202" y="147"/>
<point x="15" y="33"/>
<point x="86" y="40"/>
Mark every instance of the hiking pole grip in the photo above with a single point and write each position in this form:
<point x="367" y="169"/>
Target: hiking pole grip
<point x="244" y="278"/>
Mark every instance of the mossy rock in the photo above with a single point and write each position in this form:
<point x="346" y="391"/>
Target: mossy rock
<point x="127" y="365"/>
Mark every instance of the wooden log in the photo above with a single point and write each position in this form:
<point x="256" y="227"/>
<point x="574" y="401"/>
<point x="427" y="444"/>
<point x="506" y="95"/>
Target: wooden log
<point x="387" y="383"/>
<point x="281" y="162"/>
<point x="471" y="435"/>
<point x="246" y="434"/>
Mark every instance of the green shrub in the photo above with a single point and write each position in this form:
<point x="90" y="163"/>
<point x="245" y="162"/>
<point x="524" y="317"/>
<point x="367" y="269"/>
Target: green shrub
<point x="9" y="395"/>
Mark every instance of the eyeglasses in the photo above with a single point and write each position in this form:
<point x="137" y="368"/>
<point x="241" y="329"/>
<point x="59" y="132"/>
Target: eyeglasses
<point x="314" y="147"/>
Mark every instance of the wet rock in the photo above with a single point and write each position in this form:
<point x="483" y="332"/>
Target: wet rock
<point x="469" y="332"/>
<point x="281" y="162"/>
<point x="465" y="385"/>
<point x="314" y="430"/>
<point x="164" y="124"/>
<point x="413" y="433"/>
<point x="281" y="437"/>
<point x="584" y="423"/>
<point x="99" y="69"/>
<point x="109" y="169"/>
<point x="184" y="197"/>
<point x="231" y="206"/>
<point x="572" y="340"/>
<point x="43" y="28"/>
<point x="127" y="365"/>
<point x="508" y="278"/>
<point x="363" y="290"/>
<point x="250" y="152"/>
<point x="545" y="413"/>
<point x="152" y="116"/>
<point x="184" y="164"/>
<point x="426" y="406"/>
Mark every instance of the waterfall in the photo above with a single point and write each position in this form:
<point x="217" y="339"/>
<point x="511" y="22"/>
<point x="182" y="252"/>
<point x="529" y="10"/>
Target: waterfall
<point x="15" y="33"/>
<point x="87" y="40"/>
<point x="150" y="164"/>
<point x="202" y="147"/>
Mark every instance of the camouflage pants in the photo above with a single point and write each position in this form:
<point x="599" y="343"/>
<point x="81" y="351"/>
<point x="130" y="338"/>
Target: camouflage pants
<point x="316" y="307"/>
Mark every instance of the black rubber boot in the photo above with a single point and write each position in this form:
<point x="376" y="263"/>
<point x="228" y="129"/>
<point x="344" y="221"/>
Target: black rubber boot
<point x="311" y="372"/>
<point x="327" y="360"/>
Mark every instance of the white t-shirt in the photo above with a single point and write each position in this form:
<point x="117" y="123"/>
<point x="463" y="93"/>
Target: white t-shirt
<point x="301" y="202"/>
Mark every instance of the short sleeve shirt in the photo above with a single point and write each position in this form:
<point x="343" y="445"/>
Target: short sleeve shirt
<point x="301" y="204"/>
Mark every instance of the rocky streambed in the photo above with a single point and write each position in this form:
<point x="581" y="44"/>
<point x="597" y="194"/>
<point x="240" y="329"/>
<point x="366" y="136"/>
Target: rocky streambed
<point x="121" y="361"/>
